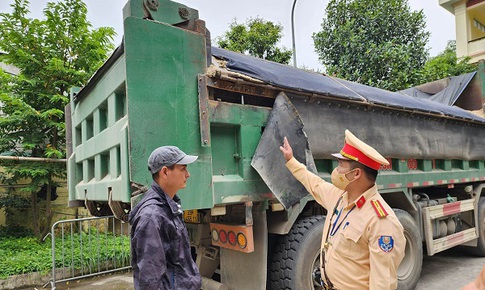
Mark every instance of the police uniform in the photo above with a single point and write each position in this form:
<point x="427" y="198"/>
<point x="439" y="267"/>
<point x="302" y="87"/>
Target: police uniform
<point x="363" y="242"/>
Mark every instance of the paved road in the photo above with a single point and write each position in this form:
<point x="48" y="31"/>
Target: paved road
<point x="451" y="269"/>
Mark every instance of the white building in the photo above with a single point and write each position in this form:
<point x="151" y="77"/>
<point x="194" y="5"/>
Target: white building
<point x="470" y="27"/>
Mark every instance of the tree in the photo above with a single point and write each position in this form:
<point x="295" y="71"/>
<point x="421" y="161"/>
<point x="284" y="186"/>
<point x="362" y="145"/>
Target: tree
<point x="379" y="43"/>
<point x="257" y="38"/>
<point x="53" y="55"/>
<point x="446" y="64"/>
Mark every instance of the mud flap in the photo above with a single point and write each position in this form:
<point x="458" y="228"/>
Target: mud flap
<point x="241" y="270"/>
<point x="284" y="120"/>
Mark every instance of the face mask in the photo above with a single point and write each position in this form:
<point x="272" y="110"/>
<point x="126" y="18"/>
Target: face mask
<point x="340" y="180"/>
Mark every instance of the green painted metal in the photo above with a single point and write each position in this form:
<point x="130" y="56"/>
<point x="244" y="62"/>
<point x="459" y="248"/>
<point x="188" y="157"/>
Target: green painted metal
<point x="443" y="164"/>
<point x="164" y="11"/>
<point x="400" y="165"/>
<point x="225" y="150"/>
<point x="110" y="149"/>
<point x="149" y="97"/>
<point x="400" y="178"/>
<point x="235" y="114"/>
<point x="100" y="141"/>
<point x="425" y="165"/>
<point x="161" y="87"/>
<point x="235" y="133"/>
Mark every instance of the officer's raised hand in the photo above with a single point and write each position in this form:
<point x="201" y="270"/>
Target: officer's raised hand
<point x="286" y="149"/>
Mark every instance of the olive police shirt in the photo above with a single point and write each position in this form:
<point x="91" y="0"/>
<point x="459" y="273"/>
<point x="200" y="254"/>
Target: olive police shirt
<point x="366" y="242"/>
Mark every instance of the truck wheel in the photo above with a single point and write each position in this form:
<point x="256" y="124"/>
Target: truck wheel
<point x="296" y="256"/>
<point x="480" y="249"/>
<point x="410" y="268"/>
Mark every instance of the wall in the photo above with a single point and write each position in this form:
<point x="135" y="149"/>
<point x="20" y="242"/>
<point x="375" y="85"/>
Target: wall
<point x="59" y="207"/>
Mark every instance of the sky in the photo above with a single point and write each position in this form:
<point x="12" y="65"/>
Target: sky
<point x="218" y="14"/>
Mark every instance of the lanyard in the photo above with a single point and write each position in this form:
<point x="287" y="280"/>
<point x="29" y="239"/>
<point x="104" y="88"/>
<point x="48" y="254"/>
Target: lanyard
<point x="326" y="245"/>
<point x="336" y="227"/>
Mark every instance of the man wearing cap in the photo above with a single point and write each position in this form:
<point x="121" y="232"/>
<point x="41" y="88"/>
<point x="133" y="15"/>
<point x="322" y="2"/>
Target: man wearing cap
<point x="160" y="247"/>
<point x="363" y="241"/>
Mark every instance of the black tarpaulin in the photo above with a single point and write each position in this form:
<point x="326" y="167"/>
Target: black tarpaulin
<point x="400" y="127"/>
<point x="414" y="92"/>
<point x="289" y="77"/>
<point x="449" y="94"/>
<point x="282" y="75"/>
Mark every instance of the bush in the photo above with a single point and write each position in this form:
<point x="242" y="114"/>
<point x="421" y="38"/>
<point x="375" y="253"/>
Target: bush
<point x="15" y="232"/>
<point x="25" y="254"/>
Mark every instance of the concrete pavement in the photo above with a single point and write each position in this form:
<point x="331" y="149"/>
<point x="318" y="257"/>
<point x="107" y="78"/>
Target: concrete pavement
<point x="114" y="281"/>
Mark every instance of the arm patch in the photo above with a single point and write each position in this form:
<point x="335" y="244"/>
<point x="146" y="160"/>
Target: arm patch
<point x="386" y="243"/>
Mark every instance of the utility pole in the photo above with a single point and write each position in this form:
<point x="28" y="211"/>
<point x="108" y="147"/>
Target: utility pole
<point x="293" y="32"/>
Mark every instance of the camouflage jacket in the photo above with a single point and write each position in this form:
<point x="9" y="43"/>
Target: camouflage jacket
<point x="160" y="247"/>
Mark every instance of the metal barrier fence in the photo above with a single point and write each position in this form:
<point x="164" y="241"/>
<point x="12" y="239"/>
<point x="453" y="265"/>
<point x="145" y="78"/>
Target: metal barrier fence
<point x="89" y="246"/>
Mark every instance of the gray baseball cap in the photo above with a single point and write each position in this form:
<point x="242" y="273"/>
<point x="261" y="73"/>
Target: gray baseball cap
<point x="168" y="156"/>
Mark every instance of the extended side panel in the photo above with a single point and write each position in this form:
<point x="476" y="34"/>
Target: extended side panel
<point x="162" y="64"/>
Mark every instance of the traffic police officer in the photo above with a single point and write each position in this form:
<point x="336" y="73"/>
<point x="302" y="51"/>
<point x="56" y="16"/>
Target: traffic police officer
<point x="363" y="241"/>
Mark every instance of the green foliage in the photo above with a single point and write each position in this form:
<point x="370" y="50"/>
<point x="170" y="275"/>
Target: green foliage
<point x="53" y="55"/>
<point x="380" y="43"/>
<point x="15" y="232"/>
<point x="12" y="202"/>
<point x="19" y="255"/>
<point x="257" y="38"/>
<point x="23" y="255"/>
<point x="446" y="64"/>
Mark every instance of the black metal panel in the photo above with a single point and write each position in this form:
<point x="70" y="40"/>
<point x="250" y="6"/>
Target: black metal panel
<point x="268" y="160"/>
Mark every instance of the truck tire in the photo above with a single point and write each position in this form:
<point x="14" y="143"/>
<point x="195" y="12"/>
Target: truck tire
<point x="480" y="249"/>
<point x="291" y="266"/>
<point x="409" y="270"/>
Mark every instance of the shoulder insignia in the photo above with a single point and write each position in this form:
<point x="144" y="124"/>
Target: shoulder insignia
<point x="386" y="243"/>
<point x="379" y="209"/>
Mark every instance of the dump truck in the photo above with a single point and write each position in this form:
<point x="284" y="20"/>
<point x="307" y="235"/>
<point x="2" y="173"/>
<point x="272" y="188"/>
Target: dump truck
<point x="251" y="224"/>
